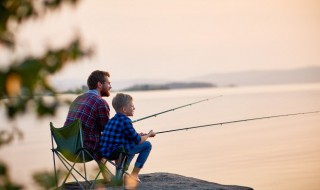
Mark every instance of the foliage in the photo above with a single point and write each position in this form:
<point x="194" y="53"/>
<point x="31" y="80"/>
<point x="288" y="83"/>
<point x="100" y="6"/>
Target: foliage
<point x="5" y="182"/>
<point x="47" y="179"/>
<point x="24" y="80"/>
<point x="27" y="79"/>
<point x="6" y="136"/>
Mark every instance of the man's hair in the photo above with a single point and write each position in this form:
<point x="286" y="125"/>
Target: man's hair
<point x="95" y="77"/>
<point x="121" y="100"/>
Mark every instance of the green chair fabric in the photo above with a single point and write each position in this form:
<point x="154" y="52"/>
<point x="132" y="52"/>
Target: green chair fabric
<point x="70" y="151"/>
<point x="69" y="141"/>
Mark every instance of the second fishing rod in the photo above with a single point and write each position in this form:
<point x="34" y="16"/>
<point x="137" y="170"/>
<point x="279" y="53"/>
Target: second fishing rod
<point x="237" y="121"/>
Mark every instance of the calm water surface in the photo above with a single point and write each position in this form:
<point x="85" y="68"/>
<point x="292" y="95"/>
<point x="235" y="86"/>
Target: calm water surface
<point x="280" y="153"/>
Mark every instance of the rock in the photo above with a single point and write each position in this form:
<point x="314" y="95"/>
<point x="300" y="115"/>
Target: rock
<point x="168" y="181"/>
<point x="157" y="181"/>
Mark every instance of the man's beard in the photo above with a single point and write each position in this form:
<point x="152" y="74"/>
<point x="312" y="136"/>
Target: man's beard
<point x="105" y="93"/>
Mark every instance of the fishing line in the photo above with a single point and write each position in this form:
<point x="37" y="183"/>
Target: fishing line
<point x="235" y="121"/>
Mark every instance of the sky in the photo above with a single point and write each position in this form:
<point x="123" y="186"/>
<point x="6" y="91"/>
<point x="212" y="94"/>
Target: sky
<point x="180" y="39"/>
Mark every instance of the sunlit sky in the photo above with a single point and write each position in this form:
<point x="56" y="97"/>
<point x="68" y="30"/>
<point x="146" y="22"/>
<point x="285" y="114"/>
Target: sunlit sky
<point x="179" y="39"/>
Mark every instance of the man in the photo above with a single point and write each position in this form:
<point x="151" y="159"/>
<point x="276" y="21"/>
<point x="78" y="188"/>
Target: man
<point x="93" y="111"/>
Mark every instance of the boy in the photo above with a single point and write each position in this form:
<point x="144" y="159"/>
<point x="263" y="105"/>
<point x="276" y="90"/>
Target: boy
<point x="120" y="132"/>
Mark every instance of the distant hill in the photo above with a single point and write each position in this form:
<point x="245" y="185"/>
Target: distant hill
<point x="245" y="78"/>
<point x="269" y="77"/>
<point x="167" y="86"/>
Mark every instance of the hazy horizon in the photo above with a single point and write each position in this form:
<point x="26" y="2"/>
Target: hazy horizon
<point x="242" y="78"/>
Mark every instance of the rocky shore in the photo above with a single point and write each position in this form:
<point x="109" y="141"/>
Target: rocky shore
<point x="160" y="181"/>
<point x="168" y="181"/>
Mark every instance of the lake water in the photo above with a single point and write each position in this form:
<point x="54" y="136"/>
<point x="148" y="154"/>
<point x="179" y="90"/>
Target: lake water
<point x="280" y="153"/>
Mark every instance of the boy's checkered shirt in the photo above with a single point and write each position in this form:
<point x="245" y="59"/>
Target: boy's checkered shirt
<point x="118" y="131"/>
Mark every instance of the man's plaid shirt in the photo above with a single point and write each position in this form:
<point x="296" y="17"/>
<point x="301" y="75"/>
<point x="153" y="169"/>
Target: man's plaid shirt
<point x="93" y="111"/>
<point x="118" y="132"/>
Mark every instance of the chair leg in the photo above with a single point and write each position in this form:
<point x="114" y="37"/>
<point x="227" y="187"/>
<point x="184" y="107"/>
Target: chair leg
<point x="120" y="169"/>
<point x="87" y="183"/>
<point x="55" y="168"/>
<point x="70" y="172"/>
<point x="71" y="168"/>
<point x="102" y="169"/>
<point x="54" y="160"/>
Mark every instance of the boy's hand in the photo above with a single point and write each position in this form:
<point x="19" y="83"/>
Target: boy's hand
<point x="151" y="134"/>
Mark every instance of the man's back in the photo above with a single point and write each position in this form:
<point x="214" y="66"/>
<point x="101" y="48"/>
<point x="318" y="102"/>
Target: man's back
<point x="93" y="111"/>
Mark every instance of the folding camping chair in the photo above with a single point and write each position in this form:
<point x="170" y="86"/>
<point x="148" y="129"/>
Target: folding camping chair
<point x="70" y="151"/>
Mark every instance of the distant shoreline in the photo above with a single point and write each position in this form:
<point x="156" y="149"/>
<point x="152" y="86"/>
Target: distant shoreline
<point x="169" y="86"/>
<point x="304" y="85"/>
<point x="219" y="79"/>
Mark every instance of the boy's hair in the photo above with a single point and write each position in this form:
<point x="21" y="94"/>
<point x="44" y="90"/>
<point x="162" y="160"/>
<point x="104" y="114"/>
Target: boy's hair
<point x="95" y="77"/>
<point x="121" y="100"/>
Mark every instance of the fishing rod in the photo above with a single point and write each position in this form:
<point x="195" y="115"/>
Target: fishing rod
<point x="173" y="109"/>
<point x="235" y="121"/>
